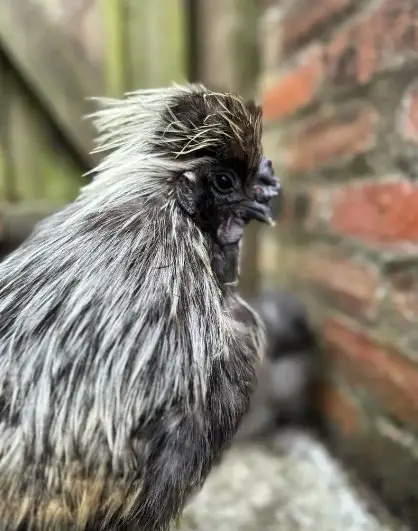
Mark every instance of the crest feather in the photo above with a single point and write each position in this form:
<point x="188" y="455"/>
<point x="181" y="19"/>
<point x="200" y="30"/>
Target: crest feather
<point x="165" y="130"/>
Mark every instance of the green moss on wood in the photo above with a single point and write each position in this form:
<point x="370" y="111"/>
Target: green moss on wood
<point x="114" y="15"/>
<point x="156" y="37"/>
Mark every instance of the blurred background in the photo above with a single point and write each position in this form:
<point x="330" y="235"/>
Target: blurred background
<point x="339" y="85"/>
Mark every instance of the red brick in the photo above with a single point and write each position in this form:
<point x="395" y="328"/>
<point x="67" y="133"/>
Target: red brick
<point x="307" y="16"/>
<point x="408" y="115"/>
<point x="377" y="41"/>
<point x="329" y="138"/>
<point x="341" y="409"/>
<point x="391" y="379"/>
<point x="351" y="285"/>
<point x="296" y="87"/>
<point x="378" y="212"/>
<point x="316" y="199"/>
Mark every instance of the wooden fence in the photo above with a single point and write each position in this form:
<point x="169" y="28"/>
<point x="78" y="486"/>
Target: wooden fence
<point x="55" y="54"/>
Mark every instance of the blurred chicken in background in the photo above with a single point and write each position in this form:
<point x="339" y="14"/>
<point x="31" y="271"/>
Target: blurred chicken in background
<point x="288" y="373"/>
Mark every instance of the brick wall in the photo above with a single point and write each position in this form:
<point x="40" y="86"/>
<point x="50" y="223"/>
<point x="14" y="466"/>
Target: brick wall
<point x="340" y="91"/>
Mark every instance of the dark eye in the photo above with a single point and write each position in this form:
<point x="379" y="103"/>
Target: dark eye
<point x="224" y="181"/>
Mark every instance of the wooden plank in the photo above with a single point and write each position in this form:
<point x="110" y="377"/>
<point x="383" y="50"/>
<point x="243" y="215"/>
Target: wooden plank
<point x="156" y="43"/>
<point x="18" y="220"/>
<point x="170" y="50"/>
<point x="193" y="39"/>
<point x="57" y="75"/>
<point x="115" y="47"/>
<point x="245" y="51"/>
<point x="216" y="62"/>
<point x="2" y="169"/>
<point x="25" y="147"/>
<point x="7" y="184"/>
<point x="41" y="166"/>
<point x="3" y="126"/>
<point x="62" y="178"/>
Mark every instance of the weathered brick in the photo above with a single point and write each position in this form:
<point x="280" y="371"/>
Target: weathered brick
<point x="374" y="211"/>
<point x="331" y="137"/>
<point x="379" y="212"/>
<point x="296" y="87"/>
<point x="306" y="207"/>
<point x="391" y="379"/>
<point x="340" y="408"/>
<point x="380" y="39"/>
<point x="306" y="17"/>
<point x="383" y="463"/>
<point x="402" y="286"/>
<point x="338" y="130"/>
<point x="349" y="285"/>
<point x="408" y="114"/>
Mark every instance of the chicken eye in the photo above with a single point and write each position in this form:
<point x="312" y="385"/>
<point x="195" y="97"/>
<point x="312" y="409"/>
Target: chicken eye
<point x="224" y="181"/>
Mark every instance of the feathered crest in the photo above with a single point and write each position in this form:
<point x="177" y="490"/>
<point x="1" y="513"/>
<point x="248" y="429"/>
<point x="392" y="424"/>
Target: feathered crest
<point x="174" y="128"/>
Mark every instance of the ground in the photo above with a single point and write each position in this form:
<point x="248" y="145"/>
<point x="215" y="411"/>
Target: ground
<point x="291" y="484"/>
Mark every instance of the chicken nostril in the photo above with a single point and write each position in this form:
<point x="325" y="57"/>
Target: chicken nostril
<point x="266" y="165"/>
<point x="268" y="179"/>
